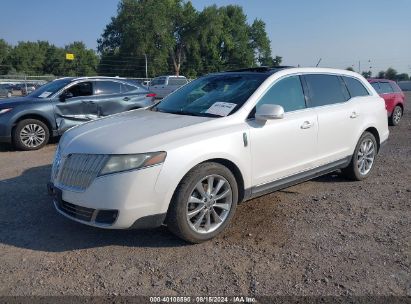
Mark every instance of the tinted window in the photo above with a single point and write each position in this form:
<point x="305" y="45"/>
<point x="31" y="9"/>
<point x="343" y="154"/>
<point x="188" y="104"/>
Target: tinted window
<point x="177" y="81"/>
<point x="355" y="87"/>
<point x="385" y="87"/>
<point x="376" y="86"/>
<point x="107" y="87"/>
<point x="395" y="87"/>
<point x="326" y="89"/>
<point x="287" y="93"/>
<point x="158" y="81"/>
<point x="81" y="89"/>
<point x="128" y="88"/>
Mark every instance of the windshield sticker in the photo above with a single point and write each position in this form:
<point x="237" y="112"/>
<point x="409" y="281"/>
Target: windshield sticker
<point x="45" y="94"/>
<point x="221" y="108"/>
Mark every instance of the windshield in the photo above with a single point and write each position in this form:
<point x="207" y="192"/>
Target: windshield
<point x="50" y="88"/>
<point x="214" y="95"/>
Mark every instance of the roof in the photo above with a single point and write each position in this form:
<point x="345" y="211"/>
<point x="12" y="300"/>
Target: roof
<point x="261" y="69"/>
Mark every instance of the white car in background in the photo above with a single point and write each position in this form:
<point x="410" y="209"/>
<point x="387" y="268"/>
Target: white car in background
<point x="220" y="140"/>
<point x="165" y="85"/>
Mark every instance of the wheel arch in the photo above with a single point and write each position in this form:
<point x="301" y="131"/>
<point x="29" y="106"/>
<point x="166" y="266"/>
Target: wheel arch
<point x="39" y="117"/>
<point x="374" y="132"/>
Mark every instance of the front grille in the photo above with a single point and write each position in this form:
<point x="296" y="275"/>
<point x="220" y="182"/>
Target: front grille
<point x="78" y="171"/>
<point x="78" y="212"/>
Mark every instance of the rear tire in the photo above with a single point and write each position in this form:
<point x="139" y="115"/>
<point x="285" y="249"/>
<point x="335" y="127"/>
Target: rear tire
<point x="395" y="116"/>
<point x="203" y="203"/>
<point x="363" y="159"/>
<point x="30" y="134"/>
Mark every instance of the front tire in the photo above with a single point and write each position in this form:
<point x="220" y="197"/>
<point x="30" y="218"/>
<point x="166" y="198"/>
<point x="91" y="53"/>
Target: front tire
<point x="204" y="203"/>
<point x="363" y="159"/>
<point x="396" y="116"/>
<point x="30" y="134"/>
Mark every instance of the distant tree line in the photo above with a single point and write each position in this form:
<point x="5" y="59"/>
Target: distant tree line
<point x="390" y="73"/>
<point x="43" y="58"/>
<point x="176" y="38"/>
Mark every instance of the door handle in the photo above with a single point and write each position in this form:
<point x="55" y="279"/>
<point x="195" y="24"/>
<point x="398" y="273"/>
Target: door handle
<point x="307" y="124"/>
<point x="354" y="115"/>
<point x="89" y="101"/>
<point x="126" y="98"/>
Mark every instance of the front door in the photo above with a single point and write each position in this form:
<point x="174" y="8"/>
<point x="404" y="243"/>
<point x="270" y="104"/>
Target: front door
<point x="78" y="106"/>
<point x="287" y="146"/>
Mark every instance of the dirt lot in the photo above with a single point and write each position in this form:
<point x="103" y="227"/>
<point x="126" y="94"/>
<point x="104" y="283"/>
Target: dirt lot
<point x="328" y="236"/>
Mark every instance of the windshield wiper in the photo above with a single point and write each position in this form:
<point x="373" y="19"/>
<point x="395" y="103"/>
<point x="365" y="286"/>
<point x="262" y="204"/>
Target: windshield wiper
<point x="188" y="113"/>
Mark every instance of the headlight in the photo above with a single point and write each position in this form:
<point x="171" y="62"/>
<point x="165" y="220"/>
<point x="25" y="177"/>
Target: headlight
<point x="2" y="111"/>
<point x="119" y="163"/>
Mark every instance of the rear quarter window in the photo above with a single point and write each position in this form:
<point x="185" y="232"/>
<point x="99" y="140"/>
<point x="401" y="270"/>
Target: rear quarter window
<point x="325" y="89"/>
<point x="376" y="86"/>
<point x="355" y="87"/>
<point x="395" y="87"/>
<point x="386" y="88"/>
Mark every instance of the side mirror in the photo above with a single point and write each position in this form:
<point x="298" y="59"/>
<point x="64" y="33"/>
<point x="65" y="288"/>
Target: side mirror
<point x="65" y="95"/>
<point x="269" y="112"/>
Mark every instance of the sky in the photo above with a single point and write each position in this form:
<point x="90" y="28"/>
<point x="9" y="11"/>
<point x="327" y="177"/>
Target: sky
<point x="372" y="33"/>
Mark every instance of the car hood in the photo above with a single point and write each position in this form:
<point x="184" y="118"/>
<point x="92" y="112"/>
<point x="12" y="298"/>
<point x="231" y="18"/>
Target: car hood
<point x="136" y="131"/>
<point x="14" y="101"/>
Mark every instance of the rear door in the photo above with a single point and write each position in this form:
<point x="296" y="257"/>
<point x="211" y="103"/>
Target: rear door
<point x="78" y="108"/>
<point x="389" y="96"/>
<point x="108" y="97"/>
<point x="337" y="118"/>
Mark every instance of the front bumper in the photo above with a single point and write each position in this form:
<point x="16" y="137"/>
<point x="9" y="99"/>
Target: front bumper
<point x="117" y="201"/>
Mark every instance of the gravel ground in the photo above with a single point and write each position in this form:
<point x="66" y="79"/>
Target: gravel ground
<point x="328" y="236"/>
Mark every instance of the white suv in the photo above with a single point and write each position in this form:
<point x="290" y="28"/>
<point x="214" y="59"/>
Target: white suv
<point x="220" y="140"/>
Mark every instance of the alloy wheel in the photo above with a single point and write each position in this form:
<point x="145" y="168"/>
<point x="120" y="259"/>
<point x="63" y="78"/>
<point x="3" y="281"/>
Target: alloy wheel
<point x="396" y="117"/>
<point x="209" y="204"/>
<point x="366" y="156"/>
<point x="32" y="135"/>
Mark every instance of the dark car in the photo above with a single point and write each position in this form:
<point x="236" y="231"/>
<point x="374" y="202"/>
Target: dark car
<point x="393" y="96"/>
<point x="5" y="90"/>
<point x="30" y="121"/>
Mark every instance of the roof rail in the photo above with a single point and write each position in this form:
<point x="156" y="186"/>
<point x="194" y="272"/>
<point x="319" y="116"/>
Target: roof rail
<point x="261" y="69"/>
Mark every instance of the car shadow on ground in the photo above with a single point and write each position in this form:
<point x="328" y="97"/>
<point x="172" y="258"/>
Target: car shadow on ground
<point x="28" y="220"/>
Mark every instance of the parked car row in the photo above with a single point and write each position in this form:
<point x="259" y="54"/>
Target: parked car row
<point x="6" y="90"/>
<point x="224" y="138"/>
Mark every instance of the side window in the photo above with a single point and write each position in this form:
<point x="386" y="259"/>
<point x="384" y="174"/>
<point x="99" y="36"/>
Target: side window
<point x="325" y="89"/>
<point x="158" y="81"/>
<point x="386" y="88"/>
<point x="128" y="88"/>
<point x="287" y="93"/>
<point x="177" y="81"/>
<point x="355" y="87"/>
<point x="107" y="87"/>
<point x="376" y="86"/>
<point x="81" y="89"/>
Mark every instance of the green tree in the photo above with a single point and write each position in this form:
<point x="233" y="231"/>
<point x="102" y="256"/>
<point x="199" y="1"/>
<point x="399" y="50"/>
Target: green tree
<point x="28" y="57"/>
<point x="381" y="75"/>
<point x="177" y="38"/>
<point x="366" y="74"/>
<point x="4" y="56"/>
<point x="390" y="73"/>
<point x="85" y="60"/>
<point x="402" y="77"/>
<point x="350" y="69"/>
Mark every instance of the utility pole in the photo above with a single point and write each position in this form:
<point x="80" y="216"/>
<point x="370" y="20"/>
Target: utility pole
<point x="359" y="67"/>
<point x="145" y="56"/>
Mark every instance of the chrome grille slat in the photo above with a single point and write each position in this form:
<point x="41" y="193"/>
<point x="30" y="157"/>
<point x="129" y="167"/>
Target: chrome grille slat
<point x="77" y="171"/>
